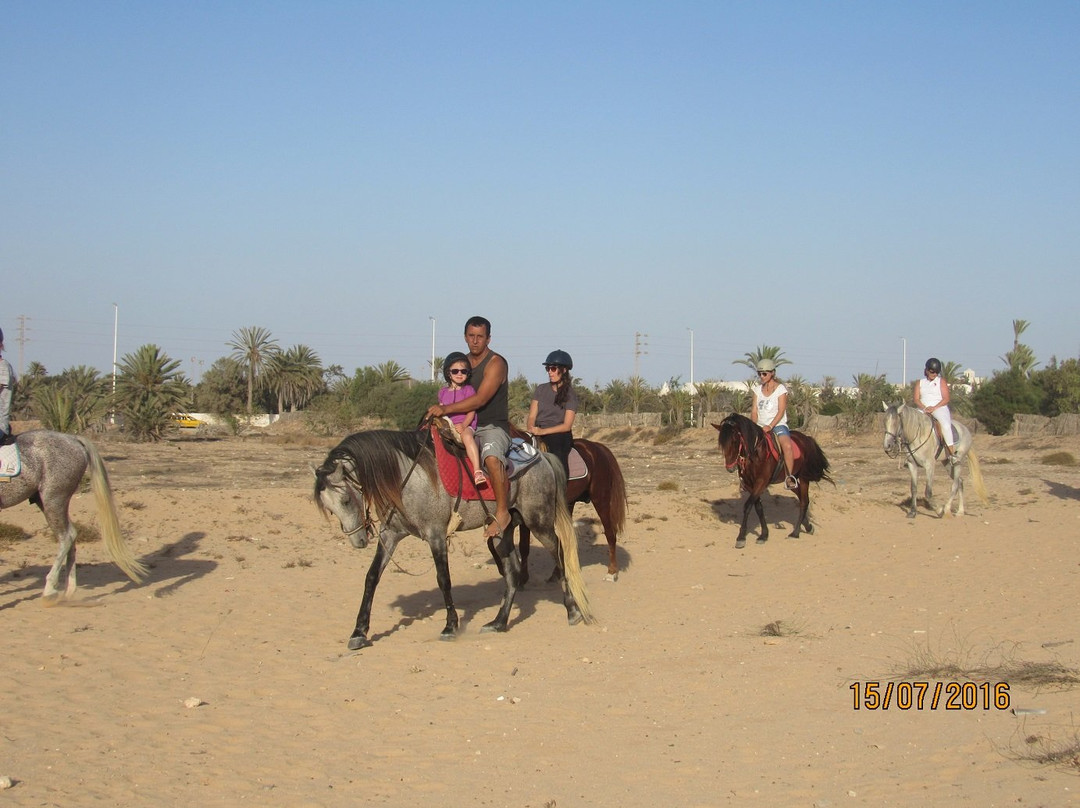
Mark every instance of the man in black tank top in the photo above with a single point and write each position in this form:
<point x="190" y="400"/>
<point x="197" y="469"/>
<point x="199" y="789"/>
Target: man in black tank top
<point x="490" y="377"/>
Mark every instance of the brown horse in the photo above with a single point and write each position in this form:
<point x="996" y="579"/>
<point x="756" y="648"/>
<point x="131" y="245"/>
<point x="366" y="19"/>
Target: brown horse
<point x="745" y="448"/>
<point x="603" y="485"/>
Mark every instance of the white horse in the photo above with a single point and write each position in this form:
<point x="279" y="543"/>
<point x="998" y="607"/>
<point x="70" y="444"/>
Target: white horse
<point x="53" y="466"/>
<point x="911" y="437"/>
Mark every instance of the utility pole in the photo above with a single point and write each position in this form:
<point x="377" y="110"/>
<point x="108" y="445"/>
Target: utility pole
<point x="640" y="344"/>
<point x="432" y="348"/>
<point x="693" y="390"/>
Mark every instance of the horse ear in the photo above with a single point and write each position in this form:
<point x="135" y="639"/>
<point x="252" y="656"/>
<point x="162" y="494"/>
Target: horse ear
<point x="716" y="427"/>
<point x="884" y="406"/>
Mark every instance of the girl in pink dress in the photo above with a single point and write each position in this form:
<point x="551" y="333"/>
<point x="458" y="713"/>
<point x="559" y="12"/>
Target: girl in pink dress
<point x="457" y="371"/>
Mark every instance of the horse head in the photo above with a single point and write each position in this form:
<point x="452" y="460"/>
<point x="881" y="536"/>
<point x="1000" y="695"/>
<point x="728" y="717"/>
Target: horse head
<point x="337" y="494"/>
<point x="894" y="429"/>
<point x="733" y="440"/>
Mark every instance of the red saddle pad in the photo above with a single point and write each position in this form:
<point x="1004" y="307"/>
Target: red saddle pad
<point x="456" y="475"/>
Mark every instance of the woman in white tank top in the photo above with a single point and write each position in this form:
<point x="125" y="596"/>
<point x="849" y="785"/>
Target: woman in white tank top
<point x="932" y="397"/>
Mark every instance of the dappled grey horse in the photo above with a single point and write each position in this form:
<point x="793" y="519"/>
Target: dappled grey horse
<point x="53" y="465"/>
<point x="392" y="478"/>
<point x="910" y="437"/>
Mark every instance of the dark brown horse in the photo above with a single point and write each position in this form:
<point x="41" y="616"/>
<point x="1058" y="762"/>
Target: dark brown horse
<point x="603" y="485"/>
<point x="746" y="449"/>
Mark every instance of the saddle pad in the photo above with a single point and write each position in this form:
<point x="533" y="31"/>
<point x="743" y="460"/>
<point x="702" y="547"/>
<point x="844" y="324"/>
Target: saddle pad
<point x="774" y="450"/>
<point x="578" y="469"/>
<point x="10" y="461"/>
<point x="455" y="474"/>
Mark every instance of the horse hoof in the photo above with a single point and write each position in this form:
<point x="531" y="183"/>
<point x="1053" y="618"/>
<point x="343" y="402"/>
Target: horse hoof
<point x="762" y="539"/>
<point x="740" y="544"/>
<point x="358" y="642"/>
<point x="612" y="576"/>
<point x="574" y="617"/>
<point x="448" y="635"/>
<point x="488" y="628"/>
<point x="911" y="515"/>
<point x="793" y="535"/>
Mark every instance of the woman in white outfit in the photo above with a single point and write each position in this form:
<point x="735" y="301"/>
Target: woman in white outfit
<point x="770" y="413"/>
<point x="932" y="397"/>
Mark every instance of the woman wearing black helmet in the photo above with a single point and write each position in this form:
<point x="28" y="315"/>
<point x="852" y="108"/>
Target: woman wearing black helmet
<point x="7" y="389"/>
<point x="553" y="407"/>
<point x="932" y="397"/>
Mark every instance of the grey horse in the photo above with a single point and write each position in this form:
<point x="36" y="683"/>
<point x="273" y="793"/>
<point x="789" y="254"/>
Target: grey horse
<point x="392" y="477"/>
<point x="53" y="466"/>
<point x="910" y="437"/>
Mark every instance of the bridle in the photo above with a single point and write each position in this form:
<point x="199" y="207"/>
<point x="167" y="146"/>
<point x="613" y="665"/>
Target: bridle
<point x="899" y="439"/>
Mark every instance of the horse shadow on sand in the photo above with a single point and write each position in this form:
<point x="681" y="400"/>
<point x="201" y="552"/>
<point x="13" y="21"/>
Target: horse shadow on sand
<point x="480" y="602"/>
<point x="1062" y="491"/>
<point x="780" y="512"/>
<point x="103" y="579"/>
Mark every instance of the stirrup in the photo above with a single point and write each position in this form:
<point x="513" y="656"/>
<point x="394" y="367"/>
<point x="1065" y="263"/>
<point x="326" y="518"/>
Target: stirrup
<point x="791" y="483"/>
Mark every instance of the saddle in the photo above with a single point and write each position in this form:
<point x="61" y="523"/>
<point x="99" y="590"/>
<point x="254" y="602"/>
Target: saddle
<point x="772" y="451"/>
<point x="456" y="472"/>
<point x="10" y="462"/>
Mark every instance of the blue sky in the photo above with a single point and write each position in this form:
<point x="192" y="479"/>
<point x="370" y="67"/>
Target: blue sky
<point x="841" y="179"/>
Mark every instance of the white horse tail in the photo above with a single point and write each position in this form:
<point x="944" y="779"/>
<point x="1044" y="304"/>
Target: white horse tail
<point x="568" y="549"/>
<point x="976" y="477"/>
<point x="110" y="526"/>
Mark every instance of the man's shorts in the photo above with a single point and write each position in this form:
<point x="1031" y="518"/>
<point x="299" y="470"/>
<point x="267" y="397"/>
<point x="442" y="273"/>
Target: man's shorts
<point x="494" y="441"/>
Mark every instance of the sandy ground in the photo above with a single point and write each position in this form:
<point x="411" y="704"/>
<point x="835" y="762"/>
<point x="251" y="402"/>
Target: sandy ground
<point x="714" y="676"/>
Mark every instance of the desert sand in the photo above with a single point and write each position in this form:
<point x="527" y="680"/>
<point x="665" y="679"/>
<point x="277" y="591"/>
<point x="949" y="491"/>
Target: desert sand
<point x="713" y="676"/>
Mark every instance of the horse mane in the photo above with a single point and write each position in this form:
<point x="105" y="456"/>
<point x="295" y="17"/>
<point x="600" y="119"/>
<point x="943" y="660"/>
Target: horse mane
<point x="374" y="463"/>
<point x="736" y="425"/>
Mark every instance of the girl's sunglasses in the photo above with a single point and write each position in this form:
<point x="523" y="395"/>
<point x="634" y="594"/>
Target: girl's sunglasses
<point x="458" y="372"/>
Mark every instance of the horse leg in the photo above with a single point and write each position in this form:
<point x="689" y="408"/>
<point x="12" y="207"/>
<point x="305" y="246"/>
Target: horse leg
<point x="740" y="540"/>
<point x="511" y="566"/>
<point x="523" y="553"/>
<point x="803" y="520"/>
<point x="759" y="506"/>
<point x="914" y="471"/>
<point x="65" y="557"/>
<point x="442" y="575"/>
<point x="359" y="638"/>
<point x="604" y="511"/>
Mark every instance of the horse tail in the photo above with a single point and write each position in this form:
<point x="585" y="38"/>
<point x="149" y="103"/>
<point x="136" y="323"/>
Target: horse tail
<point x="110" y="526"/>
<point x="816" y="465"/>
<point x="617" y="511"/>
<point x="568" y="549"/>
<point x="976" y="477"/>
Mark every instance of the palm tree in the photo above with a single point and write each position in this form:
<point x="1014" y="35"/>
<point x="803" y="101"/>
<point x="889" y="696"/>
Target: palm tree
<point x="772" y="352"/>
<point x="295" y="376"/>
<point x="149" y="389"/>
<point x="252" y="347"/>
<point x="390" y="371"/>
<point x="637" y="390"/>
<point x="88" y="395"/>
<point x="1021" y="358"/>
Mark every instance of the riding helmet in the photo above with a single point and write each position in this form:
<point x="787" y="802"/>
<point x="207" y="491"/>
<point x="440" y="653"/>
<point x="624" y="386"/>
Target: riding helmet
<point x="561" y="358"/>
<point x="452" y="359"/>
<point x="934" y="364"/>
<point x="766" y="364"/>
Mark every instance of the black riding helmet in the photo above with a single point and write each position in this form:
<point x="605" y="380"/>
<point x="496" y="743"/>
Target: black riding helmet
<point x="561" y="358"/>
<point x="451" y="360"/>
<point x="934" y="364"/>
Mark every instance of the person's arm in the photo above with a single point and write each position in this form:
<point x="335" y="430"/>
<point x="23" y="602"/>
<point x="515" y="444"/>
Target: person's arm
<point x="945" y="396"/>
<point x="530" y="422"/>
<point x="918" y="397"/>
<point x="566" y="426"/>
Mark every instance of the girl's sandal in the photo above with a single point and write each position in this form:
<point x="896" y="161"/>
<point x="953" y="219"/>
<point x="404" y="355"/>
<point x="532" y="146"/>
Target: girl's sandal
<point x="479" y="478"/>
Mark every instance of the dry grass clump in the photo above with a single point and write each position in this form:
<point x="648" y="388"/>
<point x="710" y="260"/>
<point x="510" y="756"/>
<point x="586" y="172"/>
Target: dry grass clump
<point x="1059" y="459"/>
<point x="780" y="628"/>
<point x="9" y="534"/>
<point x="668" y="485"/>
<point x="994" y="665"/>
<point x="1046" y="751"/>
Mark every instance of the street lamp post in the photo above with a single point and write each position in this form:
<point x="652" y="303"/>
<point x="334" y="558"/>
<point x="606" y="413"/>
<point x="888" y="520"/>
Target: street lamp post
<point x="116" y="322"/>
<point x="693" y="390"/>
